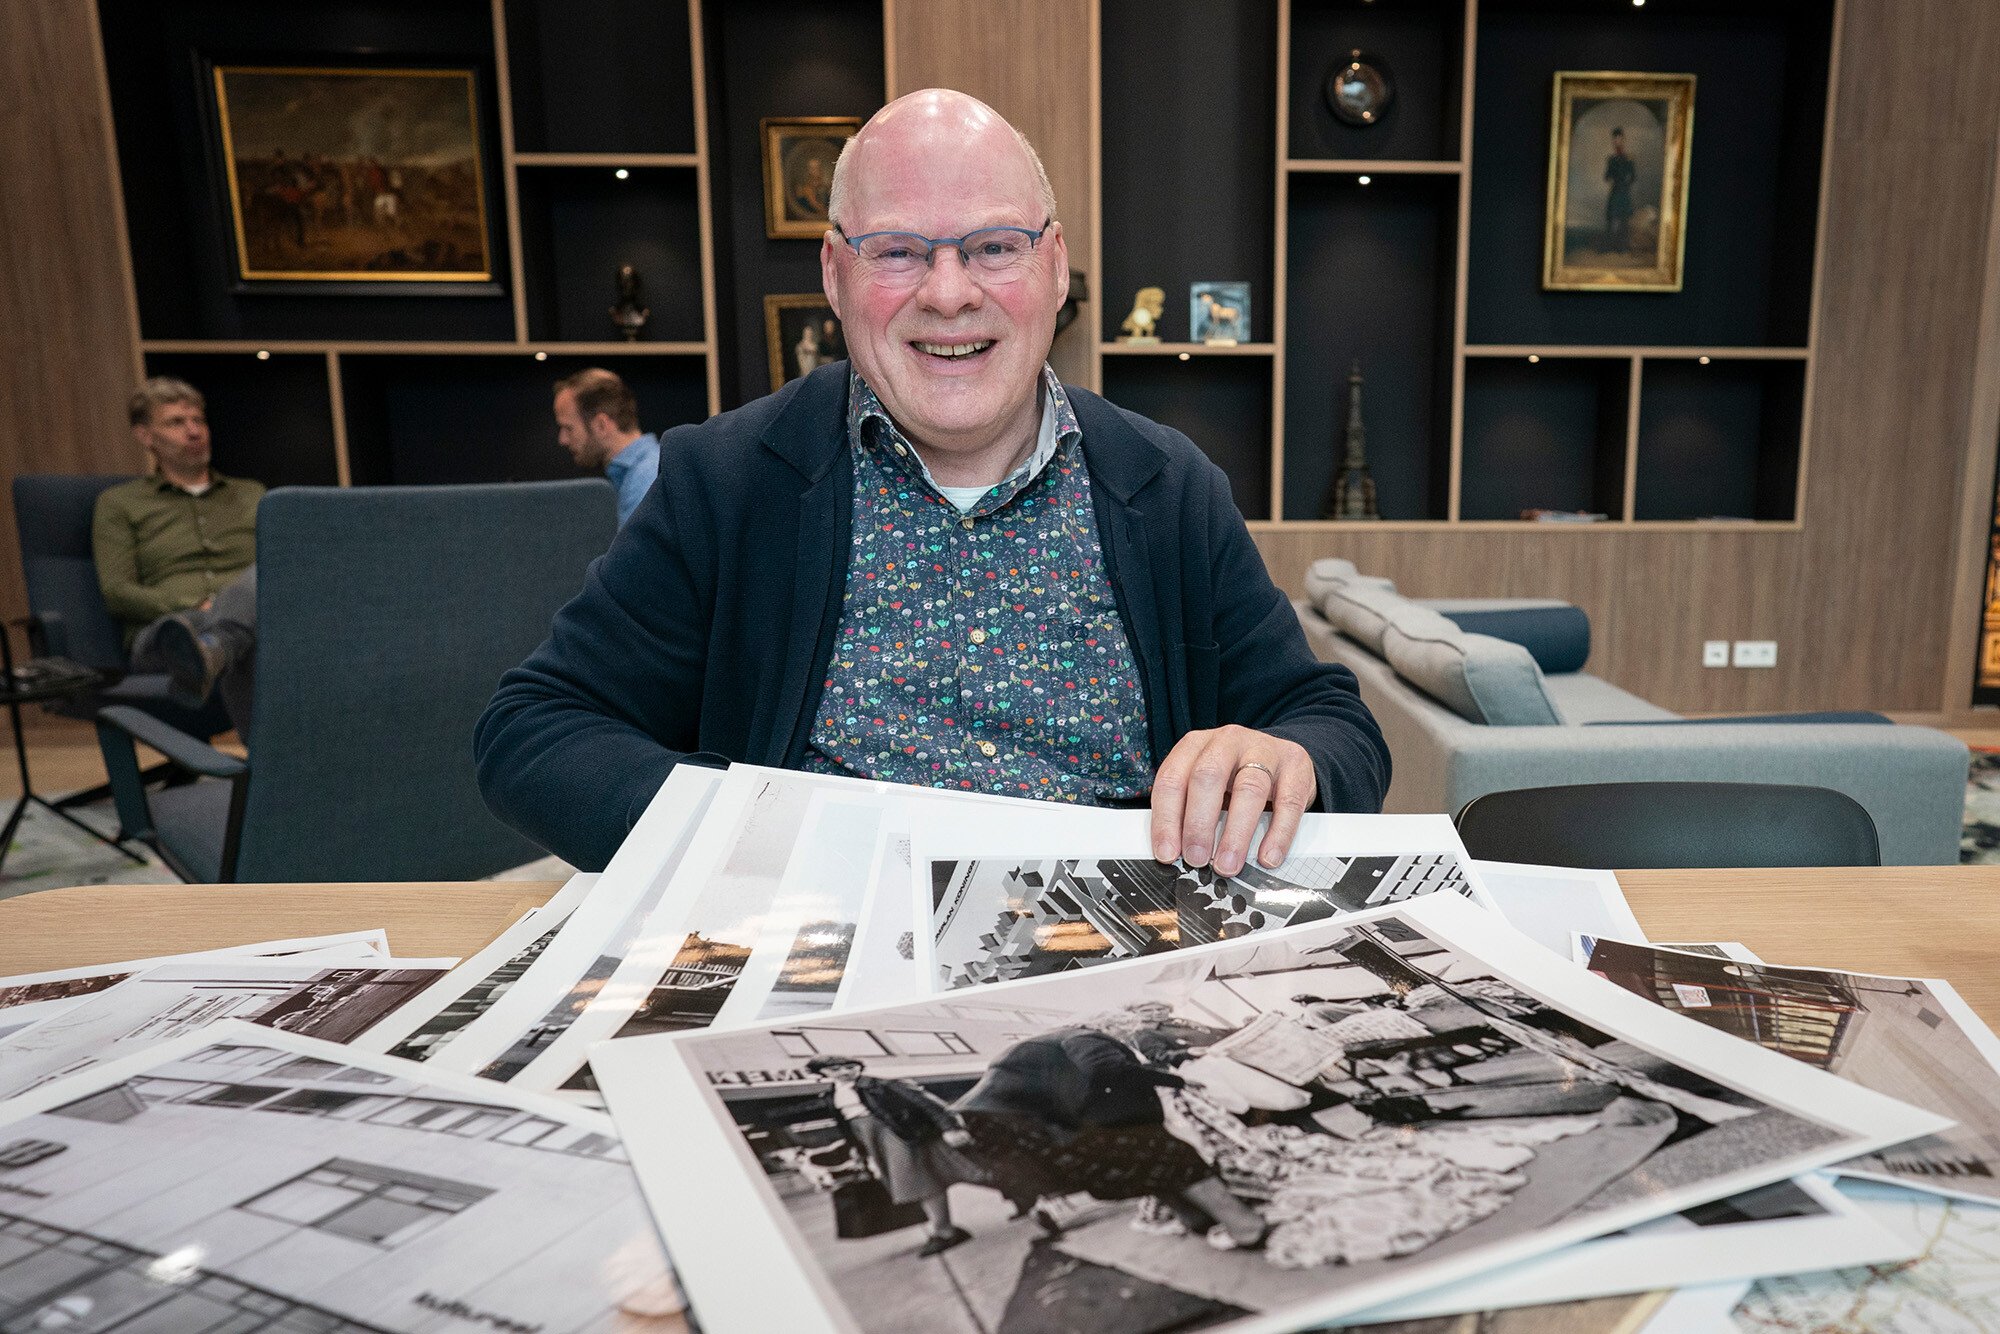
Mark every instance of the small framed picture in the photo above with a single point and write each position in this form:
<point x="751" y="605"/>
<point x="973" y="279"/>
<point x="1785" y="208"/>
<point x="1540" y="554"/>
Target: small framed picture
<point x="1219" y="313"/>
<point x="1618" y="182"/>
<point x="802" y="334"/>
<point x="799" y="153"/>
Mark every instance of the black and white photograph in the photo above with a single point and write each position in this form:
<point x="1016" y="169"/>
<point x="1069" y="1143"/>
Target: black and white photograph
<point x="32" y="997"/>
<point x="1017" y="897"/>
<point x="248" y="1180"/>
<point x="1913" y="1038"/>
<point x="1058" y="913"/>
<point x="333" y="1002"/>
<point x="1286" y="1128"/>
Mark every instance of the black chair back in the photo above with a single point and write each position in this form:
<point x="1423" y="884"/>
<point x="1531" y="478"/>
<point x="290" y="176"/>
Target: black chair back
<point x="52" y="513"/>
<point x="385" y="617"/>
<point x="1641" y="826"/>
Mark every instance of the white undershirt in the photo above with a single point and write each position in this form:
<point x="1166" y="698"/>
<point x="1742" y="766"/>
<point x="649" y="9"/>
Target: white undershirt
<point x="963" y="498"/>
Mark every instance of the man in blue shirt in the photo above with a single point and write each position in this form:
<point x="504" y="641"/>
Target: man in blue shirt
<point x="597" y="421"/>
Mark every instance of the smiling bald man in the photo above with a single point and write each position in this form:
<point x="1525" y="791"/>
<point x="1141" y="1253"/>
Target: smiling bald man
<point x="937" y="564"/>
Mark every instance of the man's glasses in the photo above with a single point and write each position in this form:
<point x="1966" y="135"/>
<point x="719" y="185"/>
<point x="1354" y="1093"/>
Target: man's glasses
<point x="991" y="253"/>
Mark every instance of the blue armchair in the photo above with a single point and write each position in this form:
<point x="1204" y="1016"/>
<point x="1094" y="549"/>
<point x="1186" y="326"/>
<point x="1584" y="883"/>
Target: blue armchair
<point x="385" y="617"/>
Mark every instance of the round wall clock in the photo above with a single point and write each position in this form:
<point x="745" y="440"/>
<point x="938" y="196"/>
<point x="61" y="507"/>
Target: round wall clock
<point x="1359" y="89"/>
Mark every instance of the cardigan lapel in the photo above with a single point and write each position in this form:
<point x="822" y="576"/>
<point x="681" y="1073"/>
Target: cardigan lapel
<point x="811" y="435"/>
<point x="1122" y="462"/>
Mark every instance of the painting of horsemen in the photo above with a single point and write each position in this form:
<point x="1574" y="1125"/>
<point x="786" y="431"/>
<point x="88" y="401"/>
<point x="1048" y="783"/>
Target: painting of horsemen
<point x="354" y="175"/>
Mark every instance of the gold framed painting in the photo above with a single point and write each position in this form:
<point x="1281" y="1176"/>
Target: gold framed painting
<point x="799" y="153"/>
<point x="1618" y="182"/>
<point x="801" y="333"/>
<point x="353" y="175"/>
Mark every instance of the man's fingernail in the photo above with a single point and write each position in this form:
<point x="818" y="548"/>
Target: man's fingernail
<point x="1271" y="856"/>
<point x="1196" y="853"/>
<point x="1227" y="865"/>
<point x="1163" y="851"/>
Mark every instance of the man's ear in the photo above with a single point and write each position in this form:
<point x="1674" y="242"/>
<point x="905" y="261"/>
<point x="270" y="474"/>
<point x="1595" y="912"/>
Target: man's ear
<point x="826" y="275"/>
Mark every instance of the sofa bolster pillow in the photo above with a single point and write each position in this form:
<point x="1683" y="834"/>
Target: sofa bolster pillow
<point x="1557" y="633"/>
<point x="1325" y="575"/>
<point x="1363" y="611"/>
<point x="1480" y="678"/>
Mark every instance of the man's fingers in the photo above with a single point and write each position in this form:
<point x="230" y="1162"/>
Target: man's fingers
<point x="1298" y="784"/>
<point x="1170" y="796"/>
<point x="1208" y="782"/>
<point x="1249" y="789"/>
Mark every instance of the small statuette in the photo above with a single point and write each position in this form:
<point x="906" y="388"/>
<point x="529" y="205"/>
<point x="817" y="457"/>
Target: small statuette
<point x="1143" y="324"/>
<point x="1352" y="495"/>
<point x="630" y="313"/>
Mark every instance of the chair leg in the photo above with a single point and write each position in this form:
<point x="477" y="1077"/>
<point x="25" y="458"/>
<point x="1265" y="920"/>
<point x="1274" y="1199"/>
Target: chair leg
<point x="165" y="771"/>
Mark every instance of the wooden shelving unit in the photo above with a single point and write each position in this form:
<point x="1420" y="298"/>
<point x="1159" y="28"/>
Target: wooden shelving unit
<point x="617" y="131"/>
<point x="1413" y="247"/>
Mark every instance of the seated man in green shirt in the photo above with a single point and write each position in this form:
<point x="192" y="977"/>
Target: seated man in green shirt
<point x="176" y="554"/>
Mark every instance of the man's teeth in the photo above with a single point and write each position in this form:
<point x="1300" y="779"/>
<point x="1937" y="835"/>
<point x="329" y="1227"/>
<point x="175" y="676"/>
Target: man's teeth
<point x="954" y="349"/>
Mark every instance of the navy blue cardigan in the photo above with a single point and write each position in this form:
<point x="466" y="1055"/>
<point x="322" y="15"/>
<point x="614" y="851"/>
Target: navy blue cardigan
<point x="706" y="628"/>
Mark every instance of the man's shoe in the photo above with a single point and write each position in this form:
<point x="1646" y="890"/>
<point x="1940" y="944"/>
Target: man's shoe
<point x="195" y="656"/>
<point x="941" y="1242"/>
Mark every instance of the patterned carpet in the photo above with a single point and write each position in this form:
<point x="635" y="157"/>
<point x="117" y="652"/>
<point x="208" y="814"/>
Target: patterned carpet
<point x="47" y="853"/>
<point x="1980" y="841"/>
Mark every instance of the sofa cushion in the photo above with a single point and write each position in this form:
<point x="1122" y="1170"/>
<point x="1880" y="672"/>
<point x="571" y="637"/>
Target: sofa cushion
<point x="1583" y="699"/>
<point x="1863" y="716"/>
<point x="1324" y="576"/>
<point x="1478" y="677"/>
<point x="1556" y="632"/>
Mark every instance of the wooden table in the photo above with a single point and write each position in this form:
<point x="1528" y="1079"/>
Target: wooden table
<point x="1929" y="921"/>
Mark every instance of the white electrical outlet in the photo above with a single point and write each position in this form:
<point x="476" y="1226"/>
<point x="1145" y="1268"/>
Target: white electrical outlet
<point x="1715" y="653"/>
<point x="1756" y="653"/>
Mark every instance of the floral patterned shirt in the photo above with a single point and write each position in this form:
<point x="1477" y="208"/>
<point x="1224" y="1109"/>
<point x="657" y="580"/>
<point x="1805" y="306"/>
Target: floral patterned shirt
<point x="980" y="650"/>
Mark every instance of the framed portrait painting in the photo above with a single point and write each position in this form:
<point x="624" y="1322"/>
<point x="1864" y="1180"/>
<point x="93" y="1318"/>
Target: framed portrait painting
<point x="802" y="334"/>
<point x="1618" y="182"/>
<point x="348" y="175"/>
<point x="799" y="153"/>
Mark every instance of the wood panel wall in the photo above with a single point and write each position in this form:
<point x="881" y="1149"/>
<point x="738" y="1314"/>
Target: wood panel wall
<point x="1035" y="62"/>
<point x="1860" y="599"/>
<point x="69" y="330"/>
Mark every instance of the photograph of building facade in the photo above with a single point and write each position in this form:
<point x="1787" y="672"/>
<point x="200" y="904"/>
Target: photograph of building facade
<point x="242" y="1188"/>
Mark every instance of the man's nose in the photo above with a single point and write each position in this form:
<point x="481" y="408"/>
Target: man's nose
<point x="947" y="287"/>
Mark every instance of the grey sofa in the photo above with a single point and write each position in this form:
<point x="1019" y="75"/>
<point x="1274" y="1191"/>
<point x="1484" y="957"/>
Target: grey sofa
<point x="1468" y="713"/>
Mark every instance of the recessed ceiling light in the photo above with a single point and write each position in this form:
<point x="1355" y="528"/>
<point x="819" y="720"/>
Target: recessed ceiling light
<point x="1363" y="179"/>
<point x="1703" y="360"/>
<point x="1184" y="356"/>
<point x="263" y="354"/>
<point x="541" y="356"/>
<point x="621" y="173"/>
<point x="1532" y="358"/>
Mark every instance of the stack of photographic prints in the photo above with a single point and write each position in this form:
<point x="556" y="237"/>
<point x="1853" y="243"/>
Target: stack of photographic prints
<point x="1914" y="1038"/>
<point x="1284" y="1128"/>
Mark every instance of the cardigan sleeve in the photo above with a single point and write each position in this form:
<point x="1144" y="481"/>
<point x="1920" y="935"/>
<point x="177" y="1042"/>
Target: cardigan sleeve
<point x="1268" y="678"/>
<point x="579" y="737"/>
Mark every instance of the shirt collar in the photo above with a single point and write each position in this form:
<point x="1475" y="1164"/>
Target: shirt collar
<point x="632" y="455"/>
<point x="1058" y="426"/>
<point x="215" y="482"/>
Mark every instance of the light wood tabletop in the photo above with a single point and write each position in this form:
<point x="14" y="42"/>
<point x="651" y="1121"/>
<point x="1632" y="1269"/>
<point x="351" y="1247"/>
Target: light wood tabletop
<point x="1929" y="921"/>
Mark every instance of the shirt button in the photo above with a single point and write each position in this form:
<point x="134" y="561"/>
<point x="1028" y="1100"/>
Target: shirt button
<point x="966" y="522"/>
<point x="901" y="450"/>
<point x="988" y="749"/>
<point x="977" y="636"/>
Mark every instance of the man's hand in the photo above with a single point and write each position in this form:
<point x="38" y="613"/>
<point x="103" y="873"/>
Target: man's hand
<point x="1254" y="771"/>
